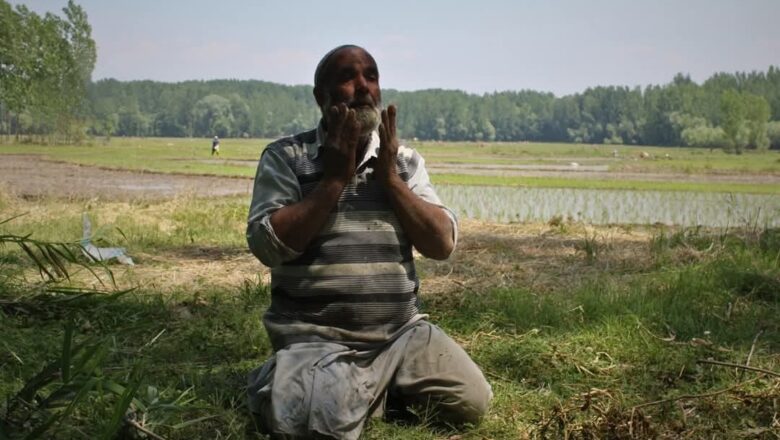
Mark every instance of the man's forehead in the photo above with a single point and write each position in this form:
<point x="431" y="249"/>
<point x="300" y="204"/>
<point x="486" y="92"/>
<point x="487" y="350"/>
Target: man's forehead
<point x="349" y="52"/>
<point x="340" y="56"/>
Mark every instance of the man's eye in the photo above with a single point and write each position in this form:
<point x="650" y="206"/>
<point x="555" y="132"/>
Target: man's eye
<point x="346" y="75"/>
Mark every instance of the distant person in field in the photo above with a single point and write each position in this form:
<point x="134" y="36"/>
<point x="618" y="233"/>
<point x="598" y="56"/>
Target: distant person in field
<point x="215" y="146"/>
<point x="335" y="214"/>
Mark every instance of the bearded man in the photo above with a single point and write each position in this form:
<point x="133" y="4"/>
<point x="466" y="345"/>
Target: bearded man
<point x="335" y="213"/>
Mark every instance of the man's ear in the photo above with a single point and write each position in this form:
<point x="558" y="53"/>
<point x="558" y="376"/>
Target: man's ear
<point x="319" y="96"/>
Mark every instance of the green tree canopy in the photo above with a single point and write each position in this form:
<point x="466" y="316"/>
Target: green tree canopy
<point x="46" y="64"/>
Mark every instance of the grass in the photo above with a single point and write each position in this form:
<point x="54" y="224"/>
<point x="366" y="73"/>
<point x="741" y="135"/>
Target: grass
<point x="583" y="332"/>
<point x="238" y="158"/>
<point x="166" y="155"/>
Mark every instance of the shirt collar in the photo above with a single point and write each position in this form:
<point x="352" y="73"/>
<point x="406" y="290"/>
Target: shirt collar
<point x="313" y="149"/>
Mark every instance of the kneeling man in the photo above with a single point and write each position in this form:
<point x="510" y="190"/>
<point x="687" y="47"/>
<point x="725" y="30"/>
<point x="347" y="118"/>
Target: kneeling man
<point x="335" y="214"/>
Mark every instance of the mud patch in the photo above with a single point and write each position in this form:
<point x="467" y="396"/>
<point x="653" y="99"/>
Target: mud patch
<point x="31" y="177"/>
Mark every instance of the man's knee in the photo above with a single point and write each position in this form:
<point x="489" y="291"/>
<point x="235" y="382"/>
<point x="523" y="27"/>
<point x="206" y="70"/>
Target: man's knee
<point x="442" y="376"/>
<point x="457" y="406"/>
<point x="475" y="402"/>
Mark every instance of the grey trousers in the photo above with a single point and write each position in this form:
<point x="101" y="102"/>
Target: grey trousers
<point x="325" y="389"/>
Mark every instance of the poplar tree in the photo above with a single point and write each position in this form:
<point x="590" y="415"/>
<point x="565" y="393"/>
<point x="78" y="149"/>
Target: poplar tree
<point x="46" y="64"/>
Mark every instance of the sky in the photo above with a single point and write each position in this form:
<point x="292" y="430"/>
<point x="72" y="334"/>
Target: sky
<point x="481" y="46"/>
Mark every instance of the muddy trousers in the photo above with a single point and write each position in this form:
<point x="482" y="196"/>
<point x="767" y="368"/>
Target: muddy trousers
<point x="324" y="389"/>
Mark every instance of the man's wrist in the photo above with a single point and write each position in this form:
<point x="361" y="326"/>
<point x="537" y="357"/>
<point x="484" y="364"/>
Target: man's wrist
<point x="393" y="182"/>
<point x="333" y="183"/>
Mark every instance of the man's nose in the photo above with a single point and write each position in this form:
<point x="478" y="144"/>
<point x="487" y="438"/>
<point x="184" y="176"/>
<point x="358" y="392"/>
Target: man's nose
<point x="361" y="83"/>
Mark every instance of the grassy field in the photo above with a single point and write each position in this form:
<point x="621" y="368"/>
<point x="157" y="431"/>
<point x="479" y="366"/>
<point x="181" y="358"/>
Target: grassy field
<point x="168" y="155"/>
<point x="685" y="160"/>
<point x="191" y="156"/>
<point x="609" y="332"/>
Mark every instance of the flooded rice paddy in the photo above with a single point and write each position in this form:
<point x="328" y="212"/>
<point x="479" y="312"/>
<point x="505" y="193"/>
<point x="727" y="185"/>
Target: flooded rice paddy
<point x="511" y="204"/>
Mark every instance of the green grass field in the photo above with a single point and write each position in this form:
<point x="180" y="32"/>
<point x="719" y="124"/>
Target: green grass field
<point x="192" y="156"/>
<point x="583" y="332"/>
<point x="167" y="155"/>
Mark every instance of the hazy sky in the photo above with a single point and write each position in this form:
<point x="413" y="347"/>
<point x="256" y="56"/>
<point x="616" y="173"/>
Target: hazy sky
<point x="562" y="46"/>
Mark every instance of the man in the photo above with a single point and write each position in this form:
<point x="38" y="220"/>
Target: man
<point x="215" y="146"/>
<point x="335" y="214"/>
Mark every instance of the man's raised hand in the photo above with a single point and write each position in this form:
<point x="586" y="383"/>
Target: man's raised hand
<point x="341" y="143"/>
<point x="388" y="146"/>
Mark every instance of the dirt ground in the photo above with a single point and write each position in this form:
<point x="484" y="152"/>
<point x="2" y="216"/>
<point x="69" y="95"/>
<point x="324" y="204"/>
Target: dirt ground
<point x="31" y="177"/>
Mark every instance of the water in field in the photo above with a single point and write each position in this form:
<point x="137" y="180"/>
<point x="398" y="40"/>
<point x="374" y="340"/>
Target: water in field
<point x="506" y="204"/>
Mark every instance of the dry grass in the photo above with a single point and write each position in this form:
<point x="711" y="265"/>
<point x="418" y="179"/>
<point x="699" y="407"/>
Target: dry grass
<point x="539" y="257"/>
<point x="154" y="235"/>
<point x="196" y="269"/>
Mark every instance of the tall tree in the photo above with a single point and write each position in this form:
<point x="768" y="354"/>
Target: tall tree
<point x="733" y="113"/>
<point x="756" y="117"/>
<point x="45" y="65"/>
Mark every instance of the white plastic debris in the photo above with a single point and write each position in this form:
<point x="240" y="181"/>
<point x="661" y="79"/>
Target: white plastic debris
<point x="97" y="253"/>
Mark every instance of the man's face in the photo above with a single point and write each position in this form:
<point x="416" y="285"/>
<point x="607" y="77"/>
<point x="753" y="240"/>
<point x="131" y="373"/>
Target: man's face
<point x="352" y="78"/>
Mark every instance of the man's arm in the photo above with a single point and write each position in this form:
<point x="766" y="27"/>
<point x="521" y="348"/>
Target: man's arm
<point x="427" y="226"/>
<point x="275" y="187"/>
<point x="297" y="224"/>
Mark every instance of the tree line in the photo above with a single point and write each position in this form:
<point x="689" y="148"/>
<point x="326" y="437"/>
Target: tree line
<point x="736" y="111"/>
<point x="46" y="63"/>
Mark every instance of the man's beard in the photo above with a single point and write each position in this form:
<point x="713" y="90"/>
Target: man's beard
<point x="368" y="117"/>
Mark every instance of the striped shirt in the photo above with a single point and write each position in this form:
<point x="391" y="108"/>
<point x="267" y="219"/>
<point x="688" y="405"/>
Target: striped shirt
<point x="356" y="280"/>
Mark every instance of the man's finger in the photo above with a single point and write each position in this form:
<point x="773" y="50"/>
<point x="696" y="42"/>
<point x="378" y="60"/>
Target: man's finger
<point x="337" y="118"/>
<point x="351" y="128"/>
<point x="386" y="125"/>
<point x="350" y="117"/>
<point x="333" y="117"/>
<point x="391" y="120"/>
<point x="382" y="134"/>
